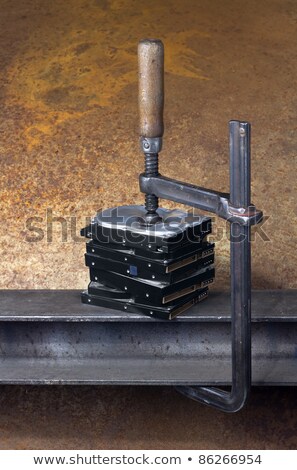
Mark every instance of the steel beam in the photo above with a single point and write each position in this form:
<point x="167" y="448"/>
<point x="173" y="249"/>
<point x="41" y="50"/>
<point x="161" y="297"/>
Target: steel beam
<point x="49" y="337"/>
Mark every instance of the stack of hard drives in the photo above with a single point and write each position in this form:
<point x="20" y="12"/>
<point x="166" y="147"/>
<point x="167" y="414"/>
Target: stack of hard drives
<point x="158" y="270"/>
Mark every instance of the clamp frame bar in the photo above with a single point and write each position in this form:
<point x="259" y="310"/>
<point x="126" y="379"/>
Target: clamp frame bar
<point x="241" y="215"/>
<point x="202" y="198"/>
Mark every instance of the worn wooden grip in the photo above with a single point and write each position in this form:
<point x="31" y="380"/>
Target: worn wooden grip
<point x="151" y="87"/>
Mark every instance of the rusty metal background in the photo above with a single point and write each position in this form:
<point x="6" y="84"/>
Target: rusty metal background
<point x="66" y="77"/>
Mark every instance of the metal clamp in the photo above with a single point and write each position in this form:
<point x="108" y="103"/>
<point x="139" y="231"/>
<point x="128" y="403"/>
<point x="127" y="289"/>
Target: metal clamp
<point x="238" y="211"/>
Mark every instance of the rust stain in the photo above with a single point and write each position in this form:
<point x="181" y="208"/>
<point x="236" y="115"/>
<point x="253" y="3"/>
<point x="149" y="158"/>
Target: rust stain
<point x="66" y="69"/>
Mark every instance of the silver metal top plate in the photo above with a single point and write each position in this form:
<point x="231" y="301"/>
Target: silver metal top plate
<point x="132" y="217"/>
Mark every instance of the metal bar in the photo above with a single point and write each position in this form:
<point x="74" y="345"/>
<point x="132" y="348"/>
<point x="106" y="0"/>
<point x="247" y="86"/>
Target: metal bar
<point x="201" y="198"/>
<point x="64" y="306"/>
<point x="185" y="193"/>
<point x="240" y="282"/>
<point x="240" y="259"/>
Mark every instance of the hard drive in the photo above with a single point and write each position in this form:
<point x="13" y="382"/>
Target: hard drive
<point x="172" y="254"/>
<point x="168" y="312"/>
<point x="162" y="265"/>
<point x="150" y="291"/>
<point x="141" y="268"/>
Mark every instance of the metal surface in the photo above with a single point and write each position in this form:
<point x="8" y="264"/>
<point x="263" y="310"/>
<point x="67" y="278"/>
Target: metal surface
<point x="269" y="306"/>
<point x="48" y="337"/>
<point x="85" y="104"/>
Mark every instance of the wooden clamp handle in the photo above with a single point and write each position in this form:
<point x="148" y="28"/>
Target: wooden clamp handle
<point x="151" y="87"/>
